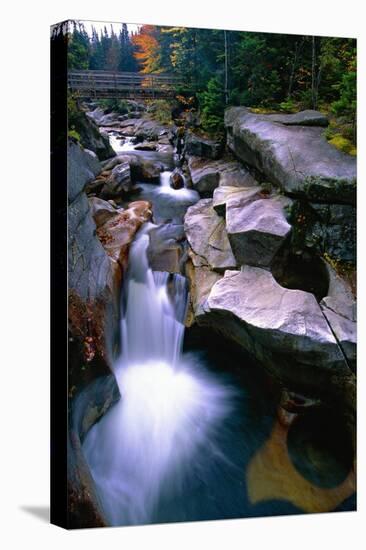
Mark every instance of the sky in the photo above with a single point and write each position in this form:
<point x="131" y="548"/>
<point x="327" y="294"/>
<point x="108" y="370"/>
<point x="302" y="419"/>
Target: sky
<point x="99" y="25"/>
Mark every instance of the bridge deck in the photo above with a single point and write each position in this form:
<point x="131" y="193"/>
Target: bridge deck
<point x="108" y="84"/>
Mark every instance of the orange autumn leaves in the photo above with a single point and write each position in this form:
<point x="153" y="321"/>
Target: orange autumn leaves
<point x="147" y="48"/>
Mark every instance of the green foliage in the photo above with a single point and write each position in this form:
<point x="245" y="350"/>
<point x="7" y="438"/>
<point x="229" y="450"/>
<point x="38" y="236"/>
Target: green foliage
<point x="289" y="105"/>
<point x="74" y="115"/>
<point x="114" y="105"/>
<point x="212" y="102"/>
<point x="340" y="133"/>
<point x="343" y="144"/>
<point x="305" y="99"/>
<point x="104" y="51"/>
<point x="74" y="135"/>
<point x="255" y="70"/>
<point x="160" y="110"/>
<point x="78" y="48"/>
<point x="346" y="104"/>
<point x="258" y="70"/>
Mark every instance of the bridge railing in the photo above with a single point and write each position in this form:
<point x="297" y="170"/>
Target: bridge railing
<point x="99" y="83"/>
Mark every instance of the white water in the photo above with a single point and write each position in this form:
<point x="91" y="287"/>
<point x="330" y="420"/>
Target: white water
<point x="120" y="144"/>
<point x="170" y="409"/>
<point x="183" y="195"/>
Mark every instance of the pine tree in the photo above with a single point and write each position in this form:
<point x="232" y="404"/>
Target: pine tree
<point x="212" y="102"/>
<point x="78" y="47"/>
<point x="96" y="52"/>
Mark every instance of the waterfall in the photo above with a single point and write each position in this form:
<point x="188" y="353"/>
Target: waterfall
<point x="170" y="409"/>
<point x="152" y="321"/>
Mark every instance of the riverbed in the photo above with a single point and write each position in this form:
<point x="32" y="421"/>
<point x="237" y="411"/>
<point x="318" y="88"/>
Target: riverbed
<point x="196" y="434"/>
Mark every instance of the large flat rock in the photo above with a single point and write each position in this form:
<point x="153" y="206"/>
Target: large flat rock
<point x="298" y="158"/>
<point x="256" y="229"/>
<point x="284" y="329"/>
<point x="207" y="237"/>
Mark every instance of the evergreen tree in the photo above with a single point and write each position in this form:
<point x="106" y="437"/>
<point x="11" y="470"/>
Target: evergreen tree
<point x="113" y="53"/>
<point x="78" y="47"/>
<point x="212" y="103"/>
<point x="127" y="60"/>
<point x="96" y="52"/>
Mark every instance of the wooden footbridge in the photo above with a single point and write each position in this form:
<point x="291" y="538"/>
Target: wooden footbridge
<point x="124" y="85"/>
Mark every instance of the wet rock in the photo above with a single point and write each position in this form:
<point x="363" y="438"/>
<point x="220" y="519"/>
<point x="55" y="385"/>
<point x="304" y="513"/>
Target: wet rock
<point x="207" y="237"/>
<point x="119" y="159"/>
<point x="298" y="158"/>
<point x="145" y="146"/>
<point x="177" y="179"/>
<point x="257" y="229"/>
<point x="142" y="169"/>
<point x="201" y="147"/>
<point x="207" y="175"/>
<point x="166" y="248"/>
<point x="339" y="307"/>
<point x="101" y="210"/>
<point x="149" y="130"/>
<point x="284" y="329"/>
<point x="117" y="233"/>
<point x="201" y="280"/>
<point x="102" y="119"/>
<point x="118" y="183"/>
<point x="147" y="170"/>
<point x="84" y="507"/>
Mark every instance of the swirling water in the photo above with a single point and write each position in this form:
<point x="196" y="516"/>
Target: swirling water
<point x="170" y="409"/>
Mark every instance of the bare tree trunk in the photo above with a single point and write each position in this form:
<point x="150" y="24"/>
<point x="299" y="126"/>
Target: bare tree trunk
<point x="298" y="47"/>
<point x="226" y="69"/>
<point x="195" y="56"/>
<point x="317" y="84"/>
<point x="313" y="57"/>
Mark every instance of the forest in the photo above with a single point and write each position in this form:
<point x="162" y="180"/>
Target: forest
<point x="267" y="72"/>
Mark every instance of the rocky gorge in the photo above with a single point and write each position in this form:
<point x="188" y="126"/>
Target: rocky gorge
<point x="263" y="225"/>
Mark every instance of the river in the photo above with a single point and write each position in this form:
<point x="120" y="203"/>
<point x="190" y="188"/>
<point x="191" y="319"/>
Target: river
<point x="195" y="435"/>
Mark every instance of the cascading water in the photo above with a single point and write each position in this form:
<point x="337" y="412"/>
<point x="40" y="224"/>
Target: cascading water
<point x="170" y="409"/>
<point x="120" y="145"/>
